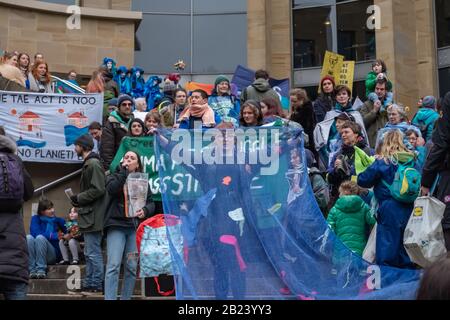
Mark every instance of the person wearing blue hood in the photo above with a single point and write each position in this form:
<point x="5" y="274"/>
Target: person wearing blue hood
<point x="137" y="82"/>
<point x="426" y="117"/>
<point x="116" y="127"/>
<point x="123" y="80"/>
<point x="438" y="164"/>
<point x="225" y="105"/>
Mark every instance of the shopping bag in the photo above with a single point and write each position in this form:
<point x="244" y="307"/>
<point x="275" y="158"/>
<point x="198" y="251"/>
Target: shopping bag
<point x="370" y="249"/>
<point x="153" y="243"/>
<point x="424" y="238"/>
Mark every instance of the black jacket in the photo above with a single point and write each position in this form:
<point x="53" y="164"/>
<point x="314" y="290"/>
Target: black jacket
<point x="304" y="115"/>
<point x="13" y="243"/>
<point x="438" y="161"/>
<point x="322" y="105"/>
<point x="115" y="212"/>
<point x="112" y="135"/>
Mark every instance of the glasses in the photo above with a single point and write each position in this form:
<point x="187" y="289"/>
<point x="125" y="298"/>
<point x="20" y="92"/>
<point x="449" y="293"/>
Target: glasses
<point x="126" y="104"/>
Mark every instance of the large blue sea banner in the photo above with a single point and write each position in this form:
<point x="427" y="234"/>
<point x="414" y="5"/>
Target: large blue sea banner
<point x="45" y="126"/>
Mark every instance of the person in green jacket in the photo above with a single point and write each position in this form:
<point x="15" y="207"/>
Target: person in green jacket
<point x="350" y="218"/>
<point x="379" y="71"/>
<point x="91" y="209"/>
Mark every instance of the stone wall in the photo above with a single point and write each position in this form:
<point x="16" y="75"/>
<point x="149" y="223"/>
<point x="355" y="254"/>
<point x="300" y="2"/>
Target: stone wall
<point x="38" y="30"/>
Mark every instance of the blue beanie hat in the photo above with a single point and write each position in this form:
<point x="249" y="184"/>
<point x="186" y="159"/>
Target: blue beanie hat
<point x="429" y="102"/>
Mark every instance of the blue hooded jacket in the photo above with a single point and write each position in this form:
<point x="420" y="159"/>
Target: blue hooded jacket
<point x="424" y="120"/>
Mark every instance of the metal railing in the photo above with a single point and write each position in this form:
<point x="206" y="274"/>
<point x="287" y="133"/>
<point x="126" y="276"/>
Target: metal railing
<point x="53" y="184"/>
<point x="67" y="83"/>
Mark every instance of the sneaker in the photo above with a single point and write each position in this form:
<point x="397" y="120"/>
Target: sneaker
<point x="92" y="291"/>
<point x="63" y="262"/>
<point x="41" y="275"/>
<point x="33" y="275"/>
<point x="74" y="262"/>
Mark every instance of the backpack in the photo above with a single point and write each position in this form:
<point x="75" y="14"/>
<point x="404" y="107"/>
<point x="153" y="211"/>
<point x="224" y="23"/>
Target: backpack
<point x="320" y="189"/>
<point x="11" y="178"/>
<point x="154" y="247"/>
<point x="406" y="185"/>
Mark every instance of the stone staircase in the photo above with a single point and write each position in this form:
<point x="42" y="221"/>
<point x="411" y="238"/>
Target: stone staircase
<point x="61" y="278"/>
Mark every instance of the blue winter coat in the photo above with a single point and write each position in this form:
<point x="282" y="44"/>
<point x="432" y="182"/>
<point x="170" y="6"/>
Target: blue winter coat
<point x="424" y="120"/>
<point x="392" y="215"/>
<point x="49" y="229"/>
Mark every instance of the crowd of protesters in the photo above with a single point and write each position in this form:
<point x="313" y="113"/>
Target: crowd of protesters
<point x="337" y="138"/>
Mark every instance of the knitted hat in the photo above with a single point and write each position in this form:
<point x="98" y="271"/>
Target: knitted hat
<point x="220" y="79"/>
<point x="327" y="78"/>
<point x="85" y="141"/>
<point x="429" y="102"/>
<point x="124" y="97"/>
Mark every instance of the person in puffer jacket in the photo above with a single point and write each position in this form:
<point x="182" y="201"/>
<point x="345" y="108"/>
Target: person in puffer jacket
<point x="351" y="217"/>
<point x="426" y="117"/>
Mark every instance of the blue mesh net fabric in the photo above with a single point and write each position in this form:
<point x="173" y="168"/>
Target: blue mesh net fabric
<point x="251" y="226"/>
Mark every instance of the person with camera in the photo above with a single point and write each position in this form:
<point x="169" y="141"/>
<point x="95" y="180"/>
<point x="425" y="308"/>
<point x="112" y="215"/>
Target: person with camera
<point x="342" y="166"/>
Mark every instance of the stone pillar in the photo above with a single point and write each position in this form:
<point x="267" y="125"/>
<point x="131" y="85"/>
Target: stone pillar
<point x="256" y="34"/>
<point x="406" y="43"/>
<point x="269" y="36"/>
<point x="426" y="49"/>
<point x="280" y="38"/>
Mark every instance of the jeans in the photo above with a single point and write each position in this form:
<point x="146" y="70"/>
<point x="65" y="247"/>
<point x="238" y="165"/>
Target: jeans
<point x="121" y="246"/>
<point x="13" y="290"/>
<point x="94" y="260"/>
<point x="41" y="252"/>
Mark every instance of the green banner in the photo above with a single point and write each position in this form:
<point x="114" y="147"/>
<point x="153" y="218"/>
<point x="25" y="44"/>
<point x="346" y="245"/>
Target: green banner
<point x="179" y="183"/>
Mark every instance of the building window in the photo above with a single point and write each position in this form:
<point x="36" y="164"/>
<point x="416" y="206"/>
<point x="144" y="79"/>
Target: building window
<point x="312" y="36"/>
<point x="355" y="41"/>
<point x="321" y="25"/>
<point x="443" y="23"/>
<point x="444" y="81"/>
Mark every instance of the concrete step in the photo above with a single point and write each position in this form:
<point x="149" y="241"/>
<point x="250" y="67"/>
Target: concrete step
<point x="59" y="286"/>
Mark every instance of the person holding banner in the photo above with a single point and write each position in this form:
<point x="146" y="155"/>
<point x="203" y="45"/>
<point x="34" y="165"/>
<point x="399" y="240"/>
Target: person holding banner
<point x="116" y="127"/>
<point x="197" y="111"/>
<point x="137" y="128"/>
<point x="225" y="105"/>
<point x="120" y="229"/>
<point x="39" y="77"/>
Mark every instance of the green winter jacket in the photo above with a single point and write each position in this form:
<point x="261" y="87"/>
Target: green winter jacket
<point x="91" y="198"/>
<point x="349" y="219"/>
<point x="259" y="90"/>
<point x="371" y="81"/>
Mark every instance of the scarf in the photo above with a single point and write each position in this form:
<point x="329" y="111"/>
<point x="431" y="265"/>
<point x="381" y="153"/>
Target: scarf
<point x="50" y="223"/>
<point x="203" y="111"/>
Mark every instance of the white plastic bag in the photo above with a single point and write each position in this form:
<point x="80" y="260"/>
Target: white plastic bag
<point x="136" y="188"/>
<point x="424" y="238"/>
<point x="371" y="246"/>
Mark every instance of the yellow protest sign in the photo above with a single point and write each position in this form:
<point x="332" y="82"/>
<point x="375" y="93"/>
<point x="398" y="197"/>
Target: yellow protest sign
<point x="332" y="65"/>
<point x="347" y="74"/>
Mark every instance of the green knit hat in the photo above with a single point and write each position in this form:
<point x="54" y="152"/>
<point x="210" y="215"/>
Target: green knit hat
<point x="220" y="79"/>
